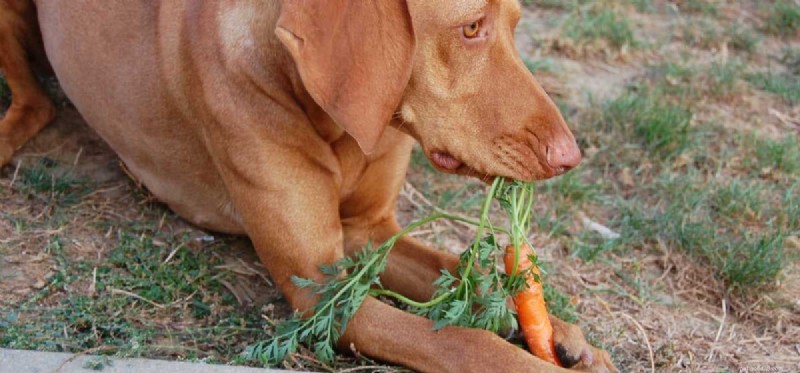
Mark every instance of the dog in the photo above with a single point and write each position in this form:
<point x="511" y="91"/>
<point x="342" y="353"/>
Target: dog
<point x="292" y="122"/>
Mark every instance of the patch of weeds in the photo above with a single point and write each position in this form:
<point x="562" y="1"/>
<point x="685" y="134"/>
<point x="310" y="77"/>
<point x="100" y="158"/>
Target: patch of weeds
<point x="723" y="76"/>
<point x="463" y="199"/>
<point x="98" y="363"/>
<point x="555" y="4"/>
<point x="700" y="33"/>
<point x="142" y="306"/>
<point x="754" y="261"/>
<point x="559" y="304"/>
<point x="572" y="187"/>
<point x="552" y="216"/>
<point x="593" y="24"/>
<point x="677" y="78"/>
<point x="695" y="222"/>
<point x="660" y="125"/>
<point x="779" y="155"/>
<point x="642" y="5"/>
<point x="783" y="19"/>
<point x="742" y="38"/>
<point x="790" y="211"/>
<point x="691" y="83"/>
<point x="699" y="6"/>
<point x="791" y="59"/>
<point x="736" y="200"/>
<point x="53" y="183"/>
<point x="539" y="65"/>
<point x="784" y="85"/>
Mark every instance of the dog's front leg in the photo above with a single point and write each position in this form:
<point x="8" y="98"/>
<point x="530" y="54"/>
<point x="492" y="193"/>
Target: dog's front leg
<point x="289" y="204"/>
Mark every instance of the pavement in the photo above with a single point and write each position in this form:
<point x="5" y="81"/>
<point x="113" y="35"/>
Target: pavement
<point x="18" y="361"/>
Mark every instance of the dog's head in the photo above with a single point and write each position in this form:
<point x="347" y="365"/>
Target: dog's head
<point x="447" y="72"/>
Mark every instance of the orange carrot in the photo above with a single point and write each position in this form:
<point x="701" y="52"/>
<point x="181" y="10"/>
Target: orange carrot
<point x="531" y="310"/>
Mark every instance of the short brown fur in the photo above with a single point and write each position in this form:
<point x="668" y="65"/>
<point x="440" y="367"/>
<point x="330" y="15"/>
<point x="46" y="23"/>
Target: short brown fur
<point x="293" y="124"/>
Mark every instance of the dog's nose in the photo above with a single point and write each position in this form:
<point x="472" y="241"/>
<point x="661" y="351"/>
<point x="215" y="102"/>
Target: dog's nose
<point x="563" y="156"/>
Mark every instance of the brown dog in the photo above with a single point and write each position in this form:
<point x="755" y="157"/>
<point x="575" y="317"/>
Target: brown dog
<point x="293" y="123"/>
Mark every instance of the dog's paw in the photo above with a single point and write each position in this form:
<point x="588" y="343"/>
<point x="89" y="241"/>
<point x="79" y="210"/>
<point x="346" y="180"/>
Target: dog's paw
<point x="575" y="353"/>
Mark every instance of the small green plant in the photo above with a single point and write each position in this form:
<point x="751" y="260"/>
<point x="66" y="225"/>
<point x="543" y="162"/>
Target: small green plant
<point x="600" y="23"/>
<point x="742" y="38"/>
<point x="642" y="5"/>
<point x="791" y="59"/>
<point x="723" y="76"/>
<point x="784" y="85"/>
<point x="737" y="199"/>
<point x="779" y="155"/>
<point x="699" y="6"/>
<point x="538" y="65"/>
<point x="662" y="126"/>
<point x="554" y="4"/>
<point x="56" y="184"/>
<point x="700" y="32"/>
<point x="783" y="19"/>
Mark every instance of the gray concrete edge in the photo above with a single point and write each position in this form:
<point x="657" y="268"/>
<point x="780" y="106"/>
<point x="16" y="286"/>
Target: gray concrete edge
<point x="19" y="361"/>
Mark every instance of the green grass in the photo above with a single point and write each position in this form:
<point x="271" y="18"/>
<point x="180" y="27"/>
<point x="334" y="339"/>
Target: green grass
<point x="742" y="38"/>
<point x="642" y="5"/>
<point x="786" y="86"/>
<point x="780" y="155"/>
<point x="698" y="188"/>
<point x="700" y="32"/>
<point x="699" y="6"/>
<point x="659" y="125"/>
<point x="783" y="19"/>
<point x="179" y="308"/>
<point x="694" y="83"/>
<point x="587" y="25"/>
<point x="51" y="183"/>
<point x="539" y="65"/>
<point x="791" y="59"/>
<point x="555" y="4"/>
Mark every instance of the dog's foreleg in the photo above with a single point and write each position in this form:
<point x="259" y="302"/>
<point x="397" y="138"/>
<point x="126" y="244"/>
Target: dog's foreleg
<point x="30" y="108"/>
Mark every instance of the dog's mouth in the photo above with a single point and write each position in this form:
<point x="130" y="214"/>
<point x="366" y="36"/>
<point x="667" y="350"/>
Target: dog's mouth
<point x="445" y="161"/>
<point x="448" y="163"/>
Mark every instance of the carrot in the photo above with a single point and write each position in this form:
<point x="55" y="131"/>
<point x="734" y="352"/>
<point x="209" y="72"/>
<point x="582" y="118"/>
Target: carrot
<point x="531" y="310"/>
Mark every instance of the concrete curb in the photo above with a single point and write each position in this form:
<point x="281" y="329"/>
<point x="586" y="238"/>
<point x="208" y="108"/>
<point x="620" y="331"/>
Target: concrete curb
<point x="18" y="361"/>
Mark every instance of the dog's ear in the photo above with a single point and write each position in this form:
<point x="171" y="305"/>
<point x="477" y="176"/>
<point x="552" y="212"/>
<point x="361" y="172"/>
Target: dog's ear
<point x="354" y="58"/>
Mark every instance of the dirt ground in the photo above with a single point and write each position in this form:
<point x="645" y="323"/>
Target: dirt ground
<point x="654" y="310"/>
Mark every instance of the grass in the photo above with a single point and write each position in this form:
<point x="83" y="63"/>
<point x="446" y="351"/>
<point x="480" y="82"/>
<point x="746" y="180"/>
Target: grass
<point x="696" y="83"/>
<point x="141" y="306"/>
<point x="705" y="7"/>
<point x="539" y="65"/>
<point x="597" y="23"/>
<point x="660" y="126"/>
<point x="704" y="212"/>
<point x="700" y="32"/>
<point x="786" y="86"/>
<point x="742" y="38"/>
<point x="791" y="59"/>
<point x="783" y="19"/>
<point x="54" y="184"/>
<point x="687" y="194"/>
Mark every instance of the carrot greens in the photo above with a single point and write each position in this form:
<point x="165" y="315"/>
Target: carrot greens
<point x="475" y="296"/>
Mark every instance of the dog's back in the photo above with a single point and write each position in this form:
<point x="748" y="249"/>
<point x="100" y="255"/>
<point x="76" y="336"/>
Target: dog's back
<point x="130" y="73"/>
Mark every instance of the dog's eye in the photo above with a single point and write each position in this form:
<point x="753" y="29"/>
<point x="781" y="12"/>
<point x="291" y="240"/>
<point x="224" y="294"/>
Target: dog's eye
<point x="471" y="30"/>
